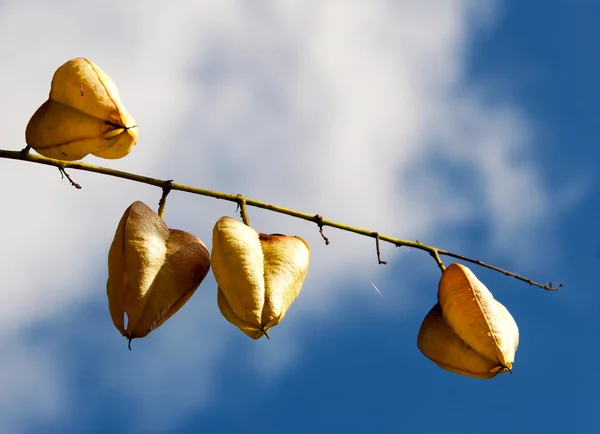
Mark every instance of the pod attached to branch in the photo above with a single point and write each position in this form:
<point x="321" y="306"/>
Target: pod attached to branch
<point x="152" y="271"/>
<point x="258" y="275"/>
<point x="472" y="312"/>
<point x="468" y="332"/>
<point x="438" y="342"/>
<point x="83" y="115"/>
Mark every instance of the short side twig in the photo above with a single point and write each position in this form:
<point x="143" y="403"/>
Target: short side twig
<point x="319" y="221"/>
<point x="63" y="174"/>
<point x="376" y="235"/>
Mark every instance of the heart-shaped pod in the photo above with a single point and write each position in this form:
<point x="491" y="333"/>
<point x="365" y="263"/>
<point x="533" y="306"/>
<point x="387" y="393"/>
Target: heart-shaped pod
<point x="83" y="115"/>
<point x="258" y="275"/>
<point x="438" y="342"/>
<point x="152" y="271"/>
<point x="471" y="311"/>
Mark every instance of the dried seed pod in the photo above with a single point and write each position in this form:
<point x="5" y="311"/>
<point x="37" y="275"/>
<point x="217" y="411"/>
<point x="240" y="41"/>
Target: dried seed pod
<point x="438" y="342"/>
<point x="83" y="115"/>
<point x="471" y="311"/>
<point x="152" y="271"/>
<point x="259" y="275"/>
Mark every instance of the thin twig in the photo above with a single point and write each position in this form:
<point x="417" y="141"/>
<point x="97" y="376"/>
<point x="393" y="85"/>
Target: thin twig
<point x="549" y="286"/>
<point x="378" y="249"/>
<point x="320" y="221"/>
<point x="63" y="174"/>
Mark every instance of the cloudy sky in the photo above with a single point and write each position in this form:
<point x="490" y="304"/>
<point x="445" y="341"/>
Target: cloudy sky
<point x="469" y="125"/>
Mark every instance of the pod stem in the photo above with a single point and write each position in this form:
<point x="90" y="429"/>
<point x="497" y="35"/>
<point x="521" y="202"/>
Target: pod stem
<point x="436" y="257"/>
<point x="242" y="202"/>
<point x="163" y="199"/>
<point x="243" y="212"/>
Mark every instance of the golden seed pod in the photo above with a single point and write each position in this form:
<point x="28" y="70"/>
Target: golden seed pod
<point x="472" y="313"/>
<point x="152" y="271"/>
<point x="83" y="115"/>
<point x="258" y="275"/>
<point x="438" y="342"/>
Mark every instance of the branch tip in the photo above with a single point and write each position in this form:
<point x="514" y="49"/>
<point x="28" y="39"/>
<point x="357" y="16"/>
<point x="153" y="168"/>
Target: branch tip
<point x="548" y="287"/>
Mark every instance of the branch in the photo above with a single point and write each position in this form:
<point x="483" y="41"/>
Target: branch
<point x="168" y="185"/>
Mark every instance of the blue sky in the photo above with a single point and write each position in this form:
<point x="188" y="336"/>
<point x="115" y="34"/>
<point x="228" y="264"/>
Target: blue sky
<point x="468" y="125"/>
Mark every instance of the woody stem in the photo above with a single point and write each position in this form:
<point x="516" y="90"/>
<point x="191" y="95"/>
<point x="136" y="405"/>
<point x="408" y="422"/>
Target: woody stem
<point x="243" y="202"/>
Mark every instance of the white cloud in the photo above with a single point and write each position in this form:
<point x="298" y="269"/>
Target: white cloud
<point x="317" y="106"/>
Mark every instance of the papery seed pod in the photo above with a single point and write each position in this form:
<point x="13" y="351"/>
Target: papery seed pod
<point x="471" y="311"/>
<point x="83" y="115"/>
<point x="438" y="342"/>
<point x="258" y="275"/>
<point x="152" y="271"/>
